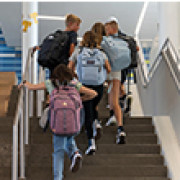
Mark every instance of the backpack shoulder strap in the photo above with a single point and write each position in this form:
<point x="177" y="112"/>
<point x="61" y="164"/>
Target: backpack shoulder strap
<point x="81" y="49"/>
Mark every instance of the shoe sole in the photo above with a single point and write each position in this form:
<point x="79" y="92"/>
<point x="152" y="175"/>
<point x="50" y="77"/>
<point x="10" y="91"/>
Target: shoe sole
<point x="77" y="165"/>
<point x="112" y="124"/>
<point x="92" y="152"/>
<point x="98" y="134"/>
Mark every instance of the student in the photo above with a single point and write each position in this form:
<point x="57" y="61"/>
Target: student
<point x="99" y="29"/>
<point x="111" y="27"/>
<point x="72" y="23"/>
<point x="63" y="144"/>
<point x="90" y="49"/>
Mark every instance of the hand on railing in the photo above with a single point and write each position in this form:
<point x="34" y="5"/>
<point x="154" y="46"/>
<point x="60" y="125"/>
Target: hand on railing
<point x="35" y="48"/>
<point x="21" y="84"/>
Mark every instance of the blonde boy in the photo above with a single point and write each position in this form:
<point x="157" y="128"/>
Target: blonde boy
<point x="72" y="23"/>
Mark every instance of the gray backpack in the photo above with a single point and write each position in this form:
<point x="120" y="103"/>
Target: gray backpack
<point x="117" y="51"/>
<point x="90" y="67"/>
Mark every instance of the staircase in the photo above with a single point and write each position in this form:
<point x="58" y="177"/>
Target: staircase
<point x="138" y="159"/>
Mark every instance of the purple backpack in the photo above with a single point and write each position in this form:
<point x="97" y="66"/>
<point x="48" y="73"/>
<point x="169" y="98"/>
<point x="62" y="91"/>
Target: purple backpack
<point x="65" y="110"/>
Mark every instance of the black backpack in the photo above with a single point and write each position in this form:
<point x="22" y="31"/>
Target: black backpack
<point x="54" y="50"/>
<point x="133" y="47"/>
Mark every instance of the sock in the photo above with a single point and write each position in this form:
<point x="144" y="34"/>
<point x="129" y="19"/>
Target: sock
<point x="96" y="115"/>
<point x="111" y="113"/>
<point x="91" y="142"/>
<point x="120" y="128"/>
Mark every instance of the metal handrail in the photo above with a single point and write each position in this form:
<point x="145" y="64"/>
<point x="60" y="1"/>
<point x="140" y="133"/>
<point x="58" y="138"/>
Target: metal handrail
<point x="21" y="120"/>
<point x="147" y="77"/>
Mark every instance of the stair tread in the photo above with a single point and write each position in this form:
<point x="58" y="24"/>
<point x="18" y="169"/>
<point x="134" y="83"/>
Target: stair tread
<point x="117" y="178"/>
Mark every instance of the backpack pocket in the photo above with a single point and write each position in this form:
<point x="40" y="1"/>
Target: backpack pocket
<point x="90" y="74"/>
<point x="65" y="121"/>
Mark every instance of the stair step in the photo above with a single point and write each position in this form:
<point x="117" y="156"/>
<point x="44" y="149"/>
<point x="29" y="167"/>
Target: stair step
<point x="115" y="178"/>
<point x="125" y="149"/>
<point x="105" y="149"/>
<point x="130" y="139"/>
<point x="6" y="121"/>
<point x="138" y="120"/>
<point x="2" y="113"/>
<point x="5" y="161"/>
<point x="131" y="129"/>
<point x="43" y="138"/>
<point x="7" y="78"/>
<point x="5" y="172"/>
<point x="147" y="128"/>
<point x="13" y="101"/>
<point x="3" y="104"/>
<point x="5" y="149"/>
<point x="45" y="160"/>
<point x="103" y="171"/>
<point x="5" y="138"/>
<point x="119" y="171"/>
<point x="42" y="173"/>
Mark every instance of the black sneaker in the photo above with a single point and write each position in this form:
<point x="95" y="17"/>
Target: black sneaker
<point x="76" y="163"/>
<point x="120" y="138"/>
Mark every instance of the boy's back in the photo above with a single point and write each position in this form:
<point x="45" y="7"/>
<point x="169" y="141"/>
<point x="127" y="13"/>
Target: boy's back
<point x="58" y="47"/>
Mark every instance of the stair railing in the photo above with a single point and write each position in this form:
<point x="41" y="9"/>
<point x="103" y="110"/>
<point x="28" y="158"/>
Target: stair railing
<point x="21" y="120"/>
<point x="171" y="57"/>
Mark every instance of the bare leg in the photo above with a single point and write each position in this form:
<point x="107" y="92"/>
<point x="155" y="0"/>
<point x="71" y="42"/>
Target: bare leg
<point x="116" y="107"/>
<point x="110" y="96"/>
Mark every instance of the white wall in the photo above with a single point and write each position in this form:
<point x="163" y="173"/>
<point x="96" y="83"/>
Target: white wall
<point x="90" y="12"/>
<point x="161" y="99"/>
<point x="169" y="143"/>
<point x="10" y="19"/>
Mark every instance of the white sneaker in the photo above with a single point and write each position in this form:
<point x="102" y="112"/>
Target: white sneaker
<point x="111" y="121"/>
<point x="91" y="148"/>
<point x="97" y="124"/>
<point x="108" y="106"/>
<point x="76" y="162"/>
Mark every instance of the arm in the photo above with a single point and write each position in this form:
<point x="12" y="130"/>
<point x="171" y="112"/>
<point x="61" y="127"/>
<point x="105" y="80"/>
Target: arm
<point x="87" y="93"/>
<point x="30" y="86"/>
<point x="71" y="50"/>
<point x="107" y="66"/>
<point x="73" y="60"/>
<point x="71" y="65"/>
